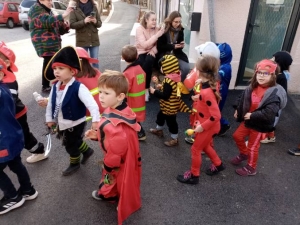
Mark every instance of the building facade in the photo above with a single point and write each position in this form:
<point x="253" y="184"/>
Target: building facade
<point x="255" y="29"/>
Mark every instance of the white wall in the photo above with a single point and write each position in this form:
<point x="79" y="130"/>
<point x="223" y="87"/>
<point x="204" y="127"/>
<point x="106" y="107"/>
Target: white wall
<point x="294" y="83"/>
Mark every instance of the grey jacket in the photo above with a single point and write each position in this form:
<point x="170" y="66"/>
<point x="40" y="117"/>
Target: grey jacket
<point x="86" y="34"/>
<point x="264" y="117"/>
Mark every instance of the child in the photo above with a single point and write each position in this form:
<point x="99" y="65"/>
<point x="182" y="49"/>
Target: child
<point x="207" y="121"/>
<point x="31" y="143"/>
<point x="121" y="172"/>
<point x="12" y="143"/>
<point x="206" y="49"/>
<point x="257" y="110"/>
<point x="284" y="60"/>
<point x="225" y="77"/>
<point x="136" y="80"/>
<point x="170" y="103"/>
<point x="67" y="105"/>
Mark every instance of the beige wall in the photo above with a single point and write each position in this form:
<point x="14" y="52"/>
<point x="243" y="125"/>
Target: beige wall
<point x="294" y="83"/>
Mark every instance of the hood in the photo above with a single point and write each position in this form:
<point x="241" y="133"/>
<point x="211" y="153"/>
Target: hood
<point x="225" y="53"/>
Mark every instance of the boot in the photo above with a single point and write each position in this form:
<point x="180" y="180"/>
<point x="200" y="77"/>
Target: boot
<point x="156" y="132"/>
<point x="171" y="143"/>
<point x="71" y="169"/>
<point x="87" y="155"/>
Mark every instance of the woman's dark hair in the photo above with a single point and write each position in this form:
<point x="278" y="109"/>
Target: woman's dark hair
<point x="86" y="69"/>
<point x="146" y="17"/>
<point x="168" y="21"/>
<point x="253" y="80"/>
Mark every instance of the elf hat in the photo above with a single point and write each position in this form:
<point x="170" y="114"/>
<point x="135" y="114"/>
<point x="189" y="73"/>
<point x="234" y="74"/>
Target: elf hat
<point x="208" y="48"/>
<point x="67" y="57"/>
<point x="8" y="53"/>
<point x="9" y="77"/>
<point x="82" y="53"/>
<point x="266" y="64"/>
<point x="169" y="64"/>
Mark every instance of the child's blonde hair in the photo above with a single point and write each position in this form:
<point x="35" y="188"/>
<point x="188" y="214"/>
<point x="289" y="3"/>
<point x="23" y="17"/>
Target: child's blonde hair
<point x="145" y="17"/>
<point x="208" y="66"/>
<point x="114" y="80"/>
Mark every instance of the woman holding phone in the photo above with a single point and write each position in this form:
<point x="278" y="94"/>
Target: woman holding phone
<point x="85" y="19"/>
<point x="172" y="42"/>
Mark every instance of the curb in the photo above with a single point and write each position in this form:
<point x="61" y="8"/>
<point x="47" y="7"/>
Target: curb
<point x="110" y="13"/>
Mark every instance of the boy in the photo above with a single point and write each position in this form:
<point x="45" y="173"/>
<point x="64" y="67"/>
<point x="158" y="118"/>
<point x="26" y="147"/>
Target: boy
<point x="170" y="102"/>
<point x="31" y="143"/>
<point x="121" y="170"/>
<point x="11" y="145"/>
<point x="67" y="105"/>
<point x="136" y="80"/>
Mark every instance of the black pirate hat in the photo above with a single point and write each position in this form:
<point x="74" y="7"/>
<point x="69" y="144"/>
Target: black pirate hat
<point x="66" y="56"/>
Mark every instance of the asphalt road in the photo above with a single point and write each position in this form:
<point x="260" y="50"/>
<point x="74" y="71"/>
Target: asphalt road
<point x="270" y="197"/>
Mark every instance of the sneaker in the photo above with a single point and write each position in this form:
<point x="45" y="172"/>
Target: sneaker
<point x="36" y="157"/>
<point x="239" y="159"/>
<point x="96" y="196"/>
<point x="223" y="130"/>
<point x="268" y="140"/>
<point x="188" y="178"/>
<point x="189" y="140"/>
<point x="46" y="89"/>
<point x="246" y="171"/>
<point x="214" y="170"/>
<point x="39" y="150"/>
<point x="87" y="155"/>
<point x="141" y="136"/>
<point x="294" y="151"/>
<point x="7" y="204"/>
<point x="29" y="195"/>
<point x="71" y="169"/>
<point x="172" y="142"/>
<point x="156" y="132"/>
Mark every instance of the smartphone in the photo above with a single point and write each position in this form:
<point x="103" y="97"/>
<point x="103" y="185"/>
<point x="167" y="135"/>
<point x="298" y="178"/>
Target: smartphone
<point x="92" y="14"/>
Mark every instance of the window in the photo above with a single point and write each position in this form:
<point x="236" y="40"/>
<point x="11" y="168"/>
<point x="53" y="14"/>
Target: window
<point x="12" y="8"/>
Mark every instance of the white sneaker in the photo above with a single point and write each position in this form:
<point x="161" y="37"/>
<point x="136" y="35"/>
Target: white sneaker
<point x="36" y="157"/>
<point x="147" y="95"/>
<point x="268" y="140"/>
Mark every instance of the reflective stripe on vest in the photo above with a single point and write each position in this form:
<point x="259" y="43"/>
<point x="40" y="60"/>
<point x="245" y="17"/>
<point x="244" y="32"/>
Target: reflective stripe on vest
<point x="94" y="91"/>
<point x="139" y="109"/>
<point x="136" y="94"/>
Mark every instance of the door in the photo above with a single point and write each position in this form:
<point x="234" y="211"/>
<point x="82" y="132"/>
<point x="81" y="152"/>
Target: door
<point x="267" y="32"/>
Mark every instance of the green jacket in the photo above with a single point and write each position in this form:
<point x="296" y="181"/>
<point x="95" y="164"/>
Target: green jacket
<point x="45" y="30"/>
<point x="86" y="34"/>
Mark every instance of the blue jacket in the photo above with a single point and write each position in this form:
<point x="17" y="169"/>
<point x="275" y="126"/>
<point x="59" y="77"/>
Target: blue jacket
<point x="11" y="134"/>
<point x="72" y="107"/>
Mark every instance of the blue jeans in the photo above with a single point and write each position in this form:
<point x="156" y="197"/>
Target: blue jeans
<point x="20" y="170"/>
<point x="94" y="52"/>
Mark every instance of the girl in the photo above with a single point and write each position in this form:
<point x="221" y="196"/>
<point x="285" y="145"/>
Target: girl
<point x="172" y="41"/>
<point x="206" y="122"/>
<point x="284" y="60"/>
<point x="145" y="40"/>
<point x="257" y="110"/>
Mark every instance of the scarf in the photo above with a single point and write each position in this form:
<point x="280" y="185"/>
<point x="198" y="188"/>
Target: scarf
<point x="86" y="8"/>
<point x="173" y="34"/>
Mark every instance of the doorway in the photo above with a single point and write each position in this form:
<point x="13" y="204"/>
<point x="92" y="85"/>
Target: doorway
<point x="268" y="31"/>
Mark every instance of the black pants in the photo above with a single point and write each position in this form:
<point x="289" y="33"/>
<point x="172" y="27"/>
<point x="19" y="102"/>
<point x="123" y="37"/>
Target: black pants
<point x="72" y="139"/>
<point x="147" y="62"/>
<point x="45" y="82"/>
<point x="29" y="139"/>
<point x="171" y="122"/>
<point x="20" y="170"/>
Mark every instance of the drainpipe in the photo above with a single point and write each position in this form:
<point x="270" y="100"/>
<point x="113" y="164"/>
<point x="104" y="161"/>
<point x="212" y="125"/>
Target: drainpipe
<point x="211" y="4"/>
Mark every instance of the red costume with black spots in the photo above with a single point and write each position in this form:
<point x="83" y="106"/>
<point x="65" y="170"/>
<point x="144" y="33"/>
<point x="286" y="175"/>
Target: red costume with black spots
<point x="208" y="115"/>
<point x="121" y="174"/>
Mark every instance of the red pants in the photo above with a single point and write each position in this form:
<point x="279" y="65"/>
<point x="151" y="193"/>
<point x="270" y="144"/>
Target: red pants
<point x="203" y="142"/>
<point x="251" y="150"/>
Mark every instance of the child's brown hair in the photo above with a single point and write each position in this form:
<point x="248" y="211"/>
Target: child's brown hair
<point x="86" y="69"/>
<point x="129" y="53"/>
<point x="208" y="66"/>
<point x="114" y="80"/>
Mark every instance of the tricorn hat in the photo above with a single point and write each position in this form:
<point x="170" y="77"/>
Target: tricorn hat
<point x="8" y="53"/>
<point x="9" y="77"/>
<point x="66" y="56"/>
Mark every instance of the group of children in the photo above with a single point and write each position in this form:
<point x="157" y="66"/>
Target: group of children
<point x="120" y="98"/>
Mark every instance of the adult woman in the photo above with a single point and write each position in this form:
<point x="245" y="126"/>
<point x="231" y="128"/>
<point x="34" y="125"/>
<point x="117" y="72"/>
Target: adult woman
<point x="145" y="40"/>
<point x="172" y="42"/>
<point x="45" y="30"/>
<point x="85" y="19"/>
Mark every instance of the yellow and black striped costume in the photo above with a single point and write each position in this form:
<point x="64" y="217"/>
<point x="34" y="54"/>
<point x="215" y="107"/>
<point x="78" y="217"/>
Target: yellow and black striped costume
<point x="174" y="104"/>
